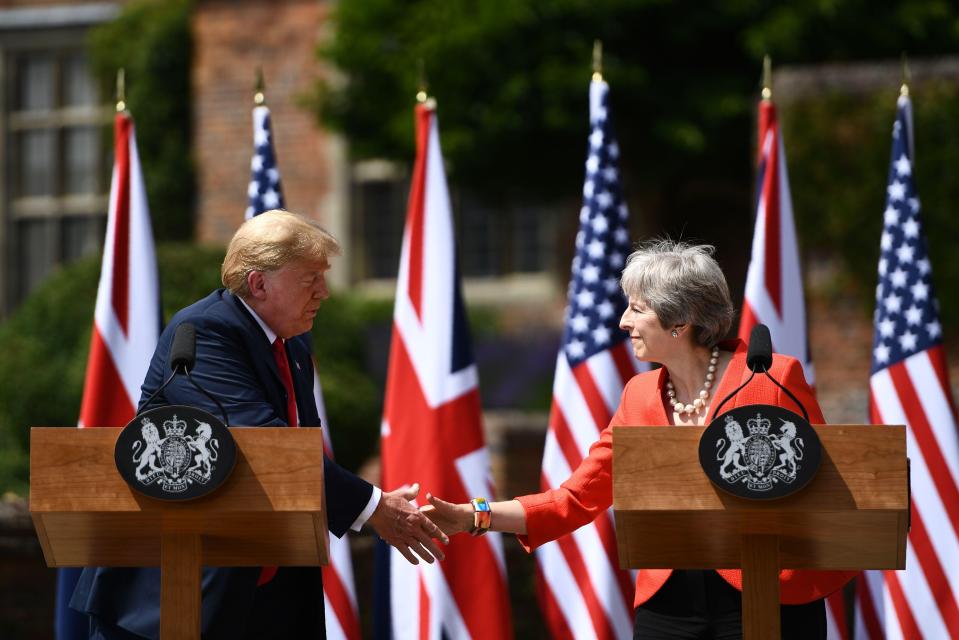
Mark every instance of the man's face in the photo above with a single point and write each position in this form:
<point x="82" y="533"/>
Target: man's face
<point x="287" y="299"/>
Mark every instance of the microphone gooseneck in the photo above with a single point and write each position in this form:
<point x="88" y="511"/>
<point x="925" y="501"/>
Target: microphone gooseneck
<point x="182" y="359"/>
<point x="759" y="359"/>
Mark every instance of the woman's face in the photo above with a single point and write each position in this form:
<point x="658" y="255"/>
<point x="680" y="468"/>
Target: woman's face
<point x="651" y="342"/>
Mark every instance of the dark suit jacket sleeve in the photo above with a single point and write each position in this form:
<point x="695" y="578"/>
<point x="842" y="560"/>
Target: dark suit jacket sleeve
<point x="234" y="364"/>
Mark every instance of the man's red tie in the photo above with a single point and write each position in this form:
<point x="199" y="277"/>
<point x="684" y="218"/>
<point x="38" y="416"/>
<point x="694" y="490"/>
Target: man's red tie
<point x="283" y="364"/>
<point x="279" y="352"/>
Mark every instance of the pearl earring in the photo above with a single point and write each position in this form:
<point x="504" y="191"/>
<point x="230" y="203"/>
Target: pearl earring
<point x="675" y="333"/>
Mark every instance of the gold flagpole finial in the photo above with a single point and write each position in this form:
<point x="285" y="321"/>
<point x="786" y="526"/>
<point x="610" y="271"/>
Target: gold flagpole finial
<point x="597" y="60"/>
<point x="906" y="77"/>
<point x="421" y="94"/>
<point x="259" y="86"/>
<point x="767" y="78"/>
<point x="121" y="91"/>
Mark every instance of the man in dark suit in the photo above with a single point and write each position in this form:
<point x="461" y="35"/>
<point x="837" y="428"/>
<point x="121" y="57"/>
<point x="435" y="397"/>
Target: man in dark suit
<point x="252" y="345"/>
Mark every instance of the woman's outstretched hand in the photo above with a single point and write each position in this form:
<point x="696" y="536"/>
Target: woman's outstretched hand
<point x="399" y="523"/>
<point x="450" y="518"/>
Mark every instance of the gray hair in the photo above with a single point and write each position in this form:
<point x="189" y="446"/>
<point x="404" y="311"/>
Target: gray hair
<point x="682" y="284"/>
<point x="269" y="241"/>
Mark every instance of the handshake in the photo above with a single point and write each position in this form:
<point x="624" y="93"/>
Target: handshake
<point x="414" y="532"/>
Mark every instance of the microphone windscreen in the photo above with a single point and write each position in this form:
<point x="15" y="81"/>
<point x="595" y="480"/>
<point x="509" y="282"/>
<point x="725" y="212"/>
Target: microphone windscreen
<point x="183" y="349"/>
<point x="759" y="357"/>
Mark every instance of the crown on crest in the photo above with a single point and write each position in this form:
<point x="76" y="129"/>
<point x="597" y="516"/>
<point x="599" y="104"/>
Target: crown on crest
<point x="176" y="427"/>
<point x="758" y="425"/>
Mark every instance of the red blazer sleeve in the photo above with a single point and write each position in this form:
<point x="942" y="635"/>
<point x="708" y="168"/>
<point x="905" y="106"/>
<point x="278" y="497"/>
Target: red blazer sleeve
<point x="588" y="492"/>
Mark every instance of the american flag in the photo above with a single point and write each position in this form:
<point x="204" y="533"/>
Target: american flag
<point x="909" y="385"/>
<point x="265" y="191"/>
<point x="432" y="429"/>
<point x="126" y="323"/>
<point x="582" y="590"/>
<point x="774" y="287"/>
<point x="339" y="592"/>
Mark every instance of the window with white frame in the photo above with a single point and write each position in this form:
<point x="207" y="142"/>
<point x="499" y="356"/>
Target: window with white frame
<point x="54" y="152"/>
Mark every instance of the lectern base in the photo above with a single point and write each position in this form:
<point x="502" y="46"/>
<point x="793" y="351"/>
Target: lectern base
<point x="180" y="555"/>
<point x="760" y="587"/>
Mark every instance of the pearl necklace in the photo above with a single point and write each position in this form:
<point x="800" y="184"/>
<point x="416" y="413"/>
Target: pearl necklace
<point x="699" y="402"/>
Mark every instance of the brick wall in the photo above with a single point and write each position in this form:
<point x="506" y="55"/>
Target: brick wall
<point x="232" y="38"/>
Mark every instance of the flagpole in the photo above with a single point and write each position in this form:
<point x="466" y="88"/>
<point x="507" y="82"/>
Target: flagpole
<point x="767" y="78"/>
<point x="422" y="96"/>
<point x="597" y="60"/>
<point x="259" y="88"/>
<point x="906" y="77"/>
<point x="121" y="90"/>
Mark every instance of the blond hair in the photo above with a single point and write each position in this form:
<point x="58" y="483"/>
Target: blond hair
<point x="269" y="241"/>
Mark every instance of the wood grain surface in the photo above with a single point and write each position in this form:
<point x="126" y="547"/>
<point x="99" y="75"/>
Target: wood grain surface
<point x="270" y="511"/>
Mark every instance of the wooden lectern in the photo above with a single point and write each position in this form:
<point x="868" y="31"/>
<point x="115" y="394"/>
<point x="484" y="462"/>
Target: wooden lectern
<point x="853" y="515"/>
<point x="270" y="511"/>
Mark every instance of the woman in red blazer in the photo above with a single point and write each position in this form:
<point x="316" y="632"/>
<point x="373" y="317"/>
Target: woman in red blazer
<point x="679" y="310"/>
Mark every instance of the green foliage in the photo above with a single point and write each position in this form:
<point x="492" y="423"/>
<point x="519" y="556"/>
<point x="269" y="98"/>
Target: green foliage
<point x="511" y="76"/>
<point x="343" y="337"/>
<point x="151" y="40"/>
<point x="46" y="341"/>
<point x="41" y="374"/>
<point x="839" y="150"/>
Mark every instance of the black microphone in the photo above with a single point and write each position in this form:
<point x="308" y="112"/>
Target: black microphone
<point x="183" y="350"/>
<point x="759" y="356"/>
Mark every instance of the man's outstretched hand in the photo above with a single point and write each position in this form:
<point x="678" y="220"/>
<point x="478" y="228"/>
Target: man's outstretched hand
<point x="402" y="525"/>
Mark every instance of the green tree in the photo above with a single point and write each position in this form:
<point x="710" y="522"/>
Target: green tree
<point x="839" y="148"/>
<point x="510" y="77"/>
<point x="151" y="40"/>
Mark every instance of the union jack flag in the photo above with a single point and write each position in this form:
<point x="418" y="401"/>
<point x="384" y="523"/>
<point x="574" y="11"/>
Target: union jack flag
<point x="582" y="591"/>
<point x="909" y="385"/>
<point x="339" y="592"/>
<point x="126" y="323"/>
<point x="432" y="424"/>
<point x="774" y="288"/>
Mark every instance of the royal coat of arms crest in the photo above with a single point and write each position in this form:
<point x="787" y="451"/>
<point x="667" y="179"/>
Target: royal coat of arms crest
<point x="776" y="454"/>
<point x="178" y="459"/>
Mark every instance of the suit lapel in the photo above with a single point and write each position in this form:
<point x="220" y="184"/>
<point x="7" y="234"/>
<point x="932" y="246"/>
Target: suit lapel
<point x="261" y="354"/>
<point x="301" y="367"/>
